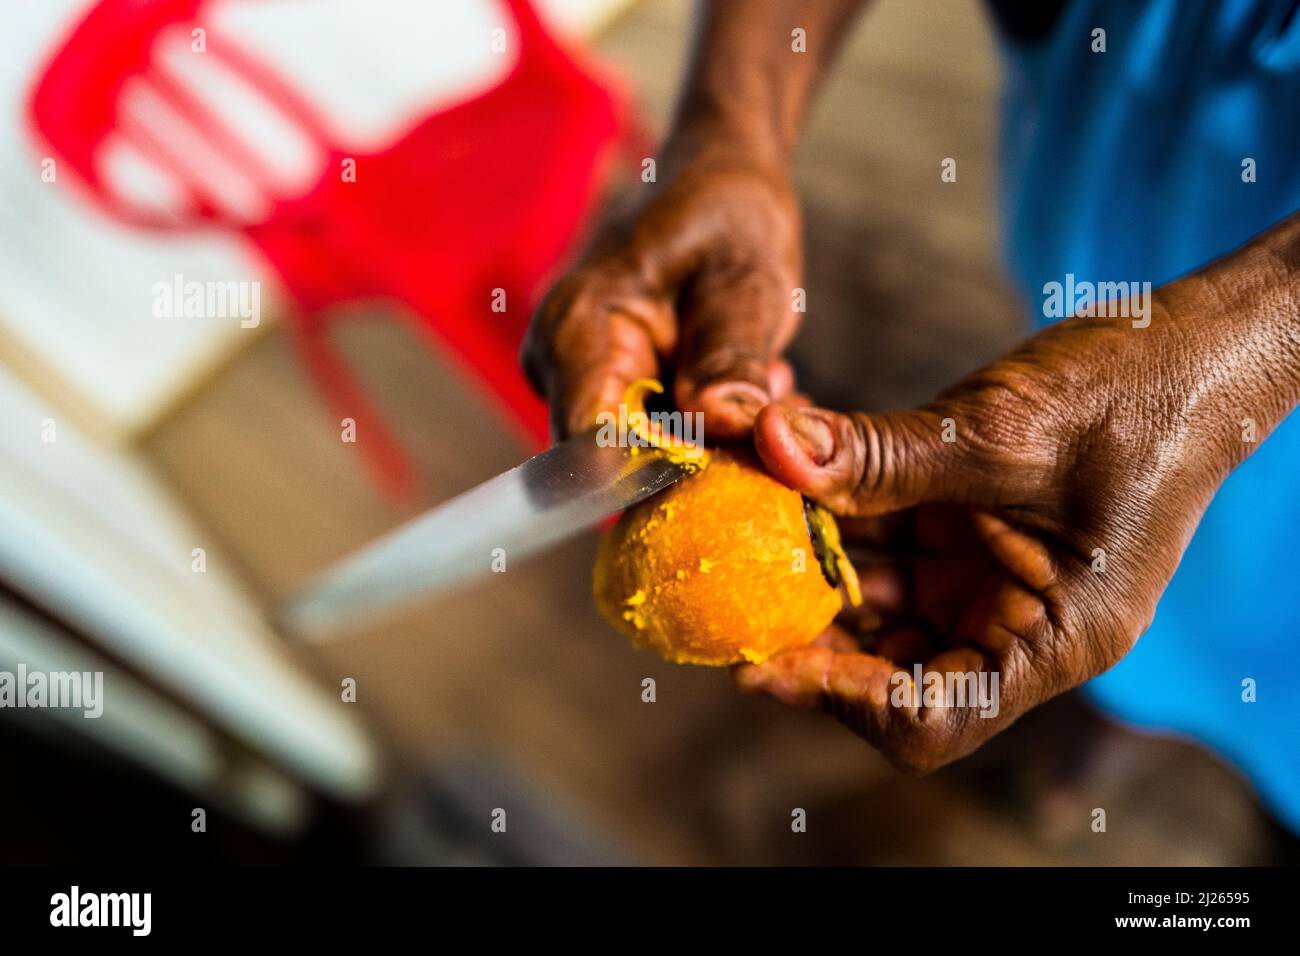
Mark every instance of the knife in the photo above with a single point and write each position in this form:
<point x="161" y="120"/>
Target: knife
<point x="551" y="497"/>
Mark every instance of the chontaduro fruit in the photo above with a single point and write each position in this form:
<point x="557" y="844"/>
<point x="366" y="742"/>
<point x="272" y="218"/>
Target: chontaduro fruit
<point x="724" y="566"/>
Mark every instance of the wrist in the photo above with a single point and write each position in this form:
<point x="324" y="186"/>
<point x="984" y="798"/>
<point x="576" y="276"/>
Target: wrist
<point x="1237" y="327"/>
<point x="711" y="125"/>
<point x="746" y="87"/>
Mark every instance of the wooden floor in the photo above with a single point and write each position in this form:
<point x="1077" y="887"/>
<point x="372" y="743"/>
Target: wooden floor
<point x="904" y="295"/>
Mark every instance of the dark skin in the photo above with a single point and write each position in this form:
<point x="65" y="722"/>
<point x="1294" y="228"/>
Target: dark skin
<point x="1094" y="437"/>
<point x="696" y="277"/>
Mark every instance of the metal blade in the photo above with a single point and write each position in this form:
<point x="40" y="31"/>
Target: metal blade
<point x="548" y="498"/>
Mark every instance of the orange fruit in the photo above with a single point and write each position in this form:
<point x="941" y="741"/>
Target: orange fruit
<point x="726" y="565"/>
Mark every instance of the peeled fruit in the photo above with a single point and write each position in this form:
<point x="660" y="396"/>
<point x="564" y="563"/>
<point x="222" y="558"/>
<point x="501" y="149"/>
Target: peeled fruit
<point x="724" y="566"/>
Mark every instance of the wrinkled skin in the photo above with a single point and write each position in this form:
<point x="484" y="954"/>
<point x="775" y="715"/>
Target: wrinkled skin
<point x="1086" y="438"/>
<point x="694" y="281"/>
<point x="1093" y="435"/>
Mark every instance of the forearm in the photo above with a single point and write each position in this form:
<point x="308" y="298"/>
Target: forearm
<point x="747" y="82"/>
<point x="1239" y="322"/>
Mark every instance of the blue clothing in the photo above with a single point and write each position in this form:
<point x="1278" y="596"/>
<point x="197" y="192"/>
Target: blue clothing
<point x="1127" y="166"/>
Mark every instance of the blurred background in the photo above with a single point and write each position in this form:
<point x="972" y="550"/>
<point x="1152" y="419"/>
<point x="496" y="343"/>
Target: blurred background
<point x="376" y="170"/>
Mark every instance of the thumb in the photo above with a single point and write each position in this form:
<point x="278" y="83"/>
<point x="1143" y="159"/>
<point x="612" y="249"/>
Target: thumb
<point x="862" y="464"/>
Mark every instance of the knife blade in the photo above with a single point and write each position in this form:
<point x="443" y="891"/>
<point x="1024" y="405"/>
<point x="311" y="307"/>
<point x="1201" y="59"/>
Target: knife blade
<point x="551" y="497"/>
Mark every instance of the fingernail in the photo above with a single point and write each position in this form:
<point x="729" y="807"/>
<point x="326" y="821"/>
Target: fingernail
<point x="812" y="434"/>
<point x="748" y="400"/>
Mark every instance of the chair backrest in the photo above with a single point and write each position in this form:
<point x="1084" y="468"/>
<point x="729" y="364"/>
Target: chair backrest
<point x="485" y="195"/>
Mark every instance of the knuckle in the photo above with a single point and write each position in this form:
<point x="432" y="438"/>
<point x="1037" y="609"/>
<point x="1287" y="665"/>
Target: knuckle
<point x="915" y="757"/>
<point x="727" y="360"/>
<point x="583" y="298"/>
<point x="873" y="455"/>
<point x="887" y="446"/>
<point x="1101" y="630"/>
<point x="917" y="746"/>
<point x="930" y="739"/>
<point x="565" y="313"/>
<point x="1004" y="409"/>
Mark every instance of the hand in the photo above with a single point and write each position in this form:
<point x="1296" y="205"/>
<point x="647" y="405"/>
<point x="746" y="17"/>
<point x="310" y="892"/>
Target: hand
<point x="1042" y="536"/>
<point x="694" y="284"/>
<point x="697" y="282"/>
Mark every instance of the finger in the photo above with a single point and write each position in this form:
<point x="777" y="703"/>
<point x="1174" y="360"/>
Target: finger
<point x="965" y="697"/>
<point x="598" y="331"/>
<point x="1023" y="555"/>
<point x="920" y="726"/>
<point x="927" y="724"/>
<point x="890" y="533"/>
<point x="733" y="327"/>
<point x="780" y="383"/>
<point x="886" y="597"/>
<point x="1005" y="615"/>
<point x="885" y="588"/>
<point x="917" y="725"/>
<point x="905" y="645"/>
<point x="837" y="639"/>
<point x="862" y="621"/>
<point x="810" y="677"/>
<point x="871" y="464"/>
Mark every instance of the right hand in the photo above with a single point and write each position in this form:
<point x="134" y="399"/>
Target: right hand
<point x="695" y="284"/>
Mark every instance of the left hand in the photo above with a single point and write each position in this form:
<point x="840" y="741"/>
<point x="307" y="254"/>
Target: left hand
<point x="1042" y="535"/>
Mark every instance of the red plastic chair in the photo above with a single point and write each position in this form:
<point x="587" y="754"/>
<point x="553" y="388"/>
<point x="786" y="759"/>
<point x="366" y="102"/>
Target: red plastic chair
<point x="483" y="196"/>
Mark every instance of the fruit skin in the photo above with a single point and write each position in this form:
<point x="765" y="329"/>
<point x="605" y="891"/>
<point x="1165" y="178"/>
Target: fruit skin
<point x="706" y="572"/>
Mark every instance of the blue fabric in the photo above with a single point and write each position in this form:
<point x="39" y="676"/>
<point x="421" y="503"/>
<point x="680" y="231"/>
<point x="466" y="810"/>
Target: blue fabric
<point x="1126" y="166"/>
